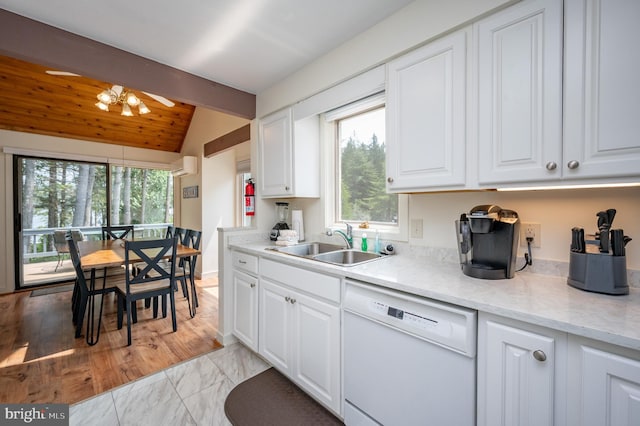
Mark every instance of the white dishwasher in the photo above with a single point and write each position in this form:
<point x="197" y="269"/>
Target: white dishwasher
<point x="407" y="360"/>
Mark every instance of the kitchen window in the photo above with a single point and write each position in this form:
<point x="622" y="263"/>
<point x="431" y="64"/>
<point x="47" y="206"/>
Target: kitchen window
<point x="358" y="139"/>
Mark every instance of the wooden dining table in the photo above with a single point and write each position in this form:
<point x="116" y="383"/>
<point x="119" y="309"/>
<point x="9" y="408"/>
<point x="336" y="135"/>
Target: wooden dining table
<point x="100" y="254"/>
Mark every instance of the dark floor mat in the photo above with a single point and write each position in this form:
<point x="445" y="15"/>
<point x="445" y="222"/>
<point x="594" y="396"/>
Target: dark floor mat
<point x="271" y="399"/>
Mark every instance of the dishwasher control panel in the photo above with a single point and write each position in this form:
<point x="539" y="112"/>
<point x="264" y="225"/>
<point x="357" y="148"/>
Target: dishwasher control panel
<point x="409" y="318"/>
<point x="447" y="325"/>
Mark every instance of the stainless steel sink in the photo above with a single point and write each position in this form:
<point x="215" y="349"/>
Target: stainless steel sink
<point x="346" y="257"/>
<point x="328" y="253"/>
<point x="308" y="249"/>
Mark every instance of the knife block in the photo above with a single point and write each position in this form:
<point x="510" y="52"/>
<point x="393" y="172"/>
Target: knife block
<point x="598" y="272"/>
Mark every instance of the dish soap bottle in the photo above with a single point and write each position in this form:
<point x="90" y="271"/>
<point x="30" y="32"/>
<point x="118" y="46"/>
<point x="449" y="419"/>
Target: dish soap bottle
<point x="364" y="247"/>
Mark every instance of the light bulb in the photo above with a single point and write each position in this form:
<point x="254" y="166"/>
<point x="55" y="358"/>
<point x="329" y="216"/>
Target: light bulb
<point x="105" y="96"/>
<point x="102" y="106"/>
<point x="126" y="110"/>
<point x="143" y="109"/>
<point x="132" y="99"/>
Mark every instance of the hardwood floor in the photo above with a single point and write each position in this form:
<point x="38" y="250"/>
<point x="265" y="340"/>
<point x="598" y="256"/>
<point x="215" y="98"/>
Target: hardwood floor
<point x="42" y="362"/>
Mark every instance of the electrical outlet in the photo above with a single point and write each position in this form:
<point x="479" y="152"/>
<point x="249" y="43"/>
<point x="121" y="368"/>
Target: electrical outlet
<point x="531" y="230"/>
<point x="416" y="228"/>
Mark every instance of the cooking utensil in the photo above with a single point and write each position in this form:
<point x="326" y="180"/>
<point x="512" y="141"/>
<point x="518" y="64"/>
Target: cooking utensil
<point x="617" y="242"/>
<point x="603" y="227"/>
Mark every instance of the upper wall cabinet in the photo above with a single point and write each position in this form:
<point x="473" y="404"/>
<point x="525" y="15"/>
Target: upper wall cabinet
<point x="426" y="101"/>
<point x="520" y="93"/>
<point x="602" y="94"/>
<point x="289" y="154"/>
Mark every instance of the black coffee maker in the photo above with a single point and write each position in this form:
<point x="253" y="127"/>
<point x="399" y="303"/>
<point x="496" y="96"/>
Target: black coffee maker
<point x="488" y="242"/>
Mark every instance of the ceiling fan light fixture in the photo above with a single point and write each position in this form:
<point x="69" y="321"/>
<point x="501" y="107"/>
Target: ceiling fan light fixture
<point x="143" y="109"/>
<point x="102" y="106"/>
<point x="126" y="110"/>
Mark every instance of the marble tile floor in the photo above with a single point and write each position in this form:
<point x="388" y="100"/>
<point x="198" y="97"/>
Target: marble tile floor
<point x="190" y="393"/>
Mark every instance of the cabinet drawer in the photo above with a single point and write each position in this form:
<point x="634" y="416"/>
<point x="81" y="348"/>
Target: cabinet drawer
<point x="314" y="283"/>
<point x="245" y="262"/>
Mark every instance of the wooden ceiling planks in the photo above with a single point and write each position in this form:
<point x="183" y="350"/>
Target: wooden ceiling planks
<point x="33" y="101"/>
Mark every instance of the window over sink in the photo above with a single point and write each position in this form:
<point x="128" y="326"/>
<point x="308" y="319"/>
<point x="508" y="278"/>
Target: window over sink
<point x="357" y="137"/>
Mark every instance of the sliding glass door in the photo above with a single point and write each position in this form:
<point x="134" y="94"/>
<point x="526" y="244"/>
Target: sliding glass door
<point x="53" y="197"/>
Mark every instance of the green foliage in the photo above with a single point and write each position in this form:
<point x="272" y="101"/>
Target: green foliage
<point x="363" y="190"/>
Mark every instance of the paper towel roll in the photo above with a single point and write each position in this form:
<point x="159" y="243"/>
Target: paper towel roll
<point x="297" y="223"/>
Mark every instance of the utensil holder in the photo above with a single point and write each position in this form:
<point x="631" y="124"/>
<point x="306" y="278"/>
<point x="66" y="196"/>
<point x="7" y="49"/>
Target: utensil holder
<point x="599" y="273"/>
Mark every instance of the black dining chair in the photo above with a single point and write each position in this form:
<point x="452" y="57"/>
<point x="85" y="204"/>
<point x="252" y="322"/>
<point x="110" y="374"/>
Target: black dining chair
<point x="84" y="294"/>
<point x="149" y="281"/>
<point x="118" y="232"/>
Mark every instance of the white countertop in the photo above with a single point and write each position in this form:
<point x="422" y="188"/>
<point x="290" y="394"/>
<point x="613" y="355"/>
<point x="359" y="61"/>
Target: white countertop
<point x="538" y="299"/>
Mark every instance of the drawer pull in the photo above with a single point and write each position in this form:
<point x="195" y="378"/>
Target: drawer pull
<point x="242" y="262"/>
<point x="539" y="355"/>
<point x="287" y="298"/>
<point x="293" y="301"/>
<point x="252" y="285"/>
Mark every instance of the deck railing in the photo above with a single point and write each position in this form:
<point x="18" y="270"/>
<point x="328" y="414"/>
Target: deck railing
<point x="38" y="243"/>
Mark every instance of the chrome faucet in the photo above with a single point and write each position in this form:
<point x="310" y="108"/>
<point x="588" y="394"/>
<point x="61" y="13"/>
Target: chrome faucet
<point x="348" y="237"/>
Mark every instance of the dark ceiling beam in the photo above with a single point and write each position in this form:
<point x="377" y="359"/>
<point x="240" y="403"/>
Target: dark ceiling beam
<point x="33" y="41"/>
<point x="233" y="138"/>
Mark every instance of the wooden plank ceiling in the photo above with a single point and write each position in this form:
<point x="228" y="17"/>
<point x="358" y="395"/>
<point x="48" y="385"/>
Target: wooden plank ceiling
<point x="33" y="101"/>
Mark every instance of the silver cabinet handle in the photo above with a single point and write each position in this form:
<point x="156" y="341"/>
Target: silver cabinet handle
<point x="287" y="298"/>
<point x="551" y="165"/>
<point x="539" y="355"/>
<point x="573" y="164"/>
<point x="293" y="301"/>
<point x="390" y="179"/>
<point x="252" y="285"/>
<point x="286" y="188"/>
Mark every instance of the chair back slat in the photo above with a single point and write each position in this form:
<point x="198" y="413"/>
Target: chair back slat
<point x="181" y="233"/>
<point x="77" y="266"/>
<point x="146" y="255"/>
<point x="171" y="232"/>
<point x="119" y="232"/>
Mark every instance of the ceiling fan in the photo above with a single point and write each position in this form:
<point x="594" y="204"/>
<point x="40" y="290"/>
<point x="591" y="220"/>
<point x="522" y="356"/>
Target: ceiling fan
<point x="115" y="89"/>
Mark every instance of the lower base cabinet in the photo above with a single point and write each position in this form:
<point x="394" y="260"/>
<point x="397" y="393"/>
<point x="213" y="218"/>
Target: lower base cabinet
<point x="521" y="373"/>
<point x="299" y="333"/>
<point x="604" y="384"/>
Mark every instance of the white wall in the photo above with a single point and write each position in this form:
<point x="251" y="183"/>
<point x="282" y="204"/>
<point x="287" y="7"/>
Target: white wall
<point x="557" y="211"/>
<point x="215" y="206"/>
<point x="50" y="144"/>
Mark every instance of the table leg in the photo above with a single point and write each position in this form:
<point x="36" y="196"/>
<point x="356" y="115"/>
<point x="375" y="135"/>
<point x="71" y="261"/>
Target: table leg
<point x="93" y="334"/>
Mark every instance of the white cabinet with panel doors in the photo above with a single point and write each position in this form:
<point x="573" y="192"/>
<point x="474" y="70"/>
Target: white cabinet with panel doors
<point x="245" y="298"/>
<point x="289" y="156"/>
<point x="299" y="328"/>
<point x="601" y="90"/>
<point x="521" y="373"/>
<point x="426" y="117"/>
<point x="519" y="72"/>
<point x="605" y="384"/>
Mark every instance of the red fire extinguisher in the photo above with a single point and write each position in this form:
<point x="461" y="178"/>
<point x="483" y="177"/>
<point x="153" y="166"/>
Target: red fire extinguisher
<point x="249" y="199"/>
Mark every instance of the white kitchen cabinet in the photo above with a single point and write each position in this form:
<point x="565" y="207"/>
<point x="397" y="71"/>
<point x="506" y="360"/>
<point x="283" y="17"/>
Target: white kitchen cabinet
<point x="289" y="155"/>
<point x="425" y="116"/>
<point x="605" y="384"/>
<point x="601" y="100"/>
<point x="521" y="373"/>
<point x="299" y="328"/>
<point x="519" y="61"/>
<point x="245" y="299"/>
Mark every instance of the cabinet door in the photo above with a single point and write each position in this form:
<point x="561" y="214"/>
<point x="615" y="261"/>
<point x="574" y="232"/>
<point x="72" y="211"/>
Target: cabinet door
<point x="316" y="338"/>
<point x="516" y="374"/>
<point x="276" y="313"/>
<point x="275" y="153"/>
<point x="245" y="309"/>
<point x="609" y="392"/>
<point x="426" y="101"/>
<point x="520" y="93"/>
<point x="601" y="88"/>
